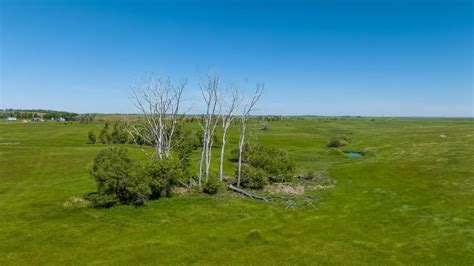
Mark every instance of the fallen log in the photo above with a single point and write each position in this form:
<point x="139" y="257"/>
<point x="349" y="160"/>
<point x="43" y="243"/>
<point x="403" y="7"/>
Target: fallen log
<point x="248" y="194"/>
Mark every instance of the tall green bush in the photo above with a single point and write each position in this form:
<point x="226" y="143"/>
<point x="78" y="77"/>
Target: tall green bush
<point x="252" y="177"/>
<point x="184" y="142"/>
<point x="213" y="186"/>
<point x="116" y="177"/>
<point x="162" y="176"/>
<point x="275" y="162"/>
<point x="119" y="134"/>
<point x="91" y="137"/>
<point x="338" y="141"/>
<point x="104" y="136"/>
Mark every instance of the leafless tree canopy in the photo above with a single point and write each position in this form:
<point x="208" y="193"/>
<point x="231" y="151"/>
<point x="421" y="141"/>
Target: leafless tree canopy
<point x="212" y="98"/>
<point x="231" y="101"/>
<point x="158" y="100"/>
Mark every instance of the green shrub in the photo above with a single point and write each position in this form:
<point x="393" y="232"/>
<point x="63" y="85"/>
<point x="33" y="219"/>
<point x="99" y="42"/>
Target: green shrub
<point x="213" y="186"/>
<point x="119" y="134"/>
<point x="254" y="235"/>
<point x="104" y="136"/>
<point x="116" y="176"/>
<point x="245" y="151"/>
<point x="275" y="162"/>
<point x="162" y="175"/>
<point x="91" y="137"/>
<point x="252" y="177"/>
<point x="184" y="142"/>
<point x="338" y="141"/>
<point x="137" y="137"/>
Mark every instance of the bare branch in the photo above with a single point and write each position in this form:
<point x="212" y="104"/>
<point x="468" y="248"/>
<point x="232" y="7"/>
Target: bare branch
<point x="159" y="102"/>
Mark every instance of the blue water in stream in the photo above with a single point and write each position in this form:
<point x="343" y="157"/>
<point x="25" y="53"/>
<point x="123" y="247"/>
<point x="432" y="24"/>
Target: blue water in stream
<point x="353" y="154"/>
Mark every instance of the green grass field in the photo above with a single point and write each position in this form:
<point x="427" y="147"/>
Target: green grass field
<point x="411" y="202"/>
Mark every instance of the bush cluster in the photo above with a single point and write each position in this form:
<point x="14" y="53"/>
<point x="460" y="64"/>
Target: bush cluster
<point x="36" y="113"/>
<point x="92" y="138"/>
<point x="213" y="186"/>
<point x="185" y="142"/>
<point x="264" y="165"/>
<point x="121" y="179"/>
<point x="117" y="135"/>
<point x="252" y="177"/>
<point x="338" y="141"/>
<point x="162" y="176"/>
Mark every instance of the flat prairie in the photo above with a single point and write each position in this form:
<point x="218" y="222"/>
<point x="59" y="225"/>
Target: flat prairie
<point x="408" y="200"/>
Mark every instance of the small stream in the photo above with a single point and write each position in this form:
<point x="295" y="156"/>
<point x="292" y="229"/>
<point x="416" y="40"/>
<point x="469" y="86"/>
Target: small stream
<point x="353" y="154"/>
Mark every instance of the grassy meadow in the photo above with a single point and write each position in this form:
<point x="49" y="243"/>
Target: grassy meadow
<point x="410" y="201"/>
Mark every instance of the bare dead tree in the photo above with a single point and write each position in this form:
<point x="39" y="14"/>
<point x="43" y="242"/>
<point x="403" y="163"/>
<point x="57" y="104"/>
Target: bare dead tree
<point x="173" y="117"/>
<point x="159" y="102"/>
<point x="227" y="118"/>
<point x="246" y="110"/>
<point x="211" y="95"/>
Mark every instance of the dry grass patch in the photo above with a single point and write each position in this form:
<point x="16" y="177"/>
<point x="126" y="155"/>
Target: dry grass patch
<point x="282" y="188"/>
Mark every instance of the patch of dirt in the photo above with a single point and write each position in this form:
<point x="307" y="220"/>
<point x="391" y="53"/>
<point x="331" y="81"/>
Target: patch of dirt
<point x="285" y="189"/>
<point x="182" y="191"/>
<point x="319" y="187"/>
<point x="317" y="180"/>
<point x="228" y="178"/>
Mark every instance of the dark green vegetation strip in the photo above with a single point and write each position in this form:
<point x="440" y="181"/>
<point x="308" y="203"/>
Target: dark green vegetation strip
<point x="410" y="202"/>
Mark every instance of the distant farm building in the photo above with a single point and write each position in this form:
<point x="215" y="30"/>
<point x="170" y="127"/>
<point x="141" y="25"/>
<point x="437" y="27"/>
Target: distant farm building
<point x="62" y="119"/>
<point x="11" y="118"/>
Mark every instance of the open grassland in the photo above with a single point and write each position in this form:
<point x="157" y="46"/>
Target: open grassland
<point x="409" y="202"/>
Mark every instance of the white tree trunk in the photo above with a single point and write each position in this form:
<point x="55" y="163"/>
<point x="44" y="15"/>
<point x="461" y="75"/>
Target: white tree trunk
<point x="226" y="122"/>
<point x="208" y="160"/>
<point x="241" y="149"/>
<point x="221" y="165"/>
<point x="211" y="95"/>
<point x="203" y="149"/>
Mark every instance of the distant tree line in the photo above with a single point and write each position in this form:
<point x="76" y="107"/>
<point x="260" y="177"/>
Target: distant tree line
<point x="28" y="115"/>
<point x="46" y="114"/>
<point x="30" y="110"/>
<point x="18" y="114"/>
<point x="56" y="115"/>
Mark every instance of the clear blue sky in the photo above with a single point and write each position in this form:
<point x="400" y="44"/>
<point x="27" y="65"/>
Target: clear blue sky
<point x="386" y="57"/>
